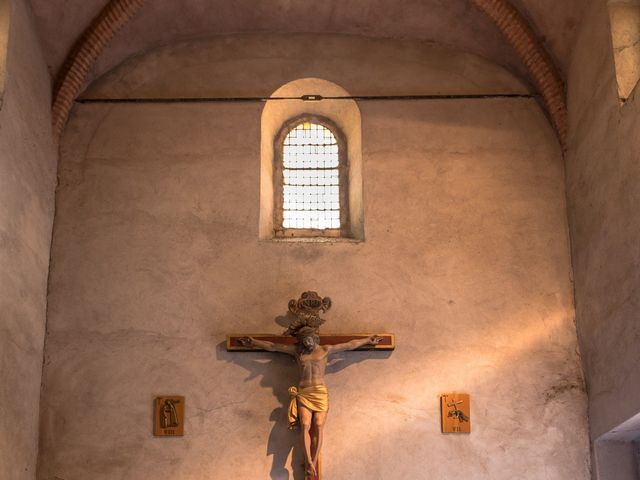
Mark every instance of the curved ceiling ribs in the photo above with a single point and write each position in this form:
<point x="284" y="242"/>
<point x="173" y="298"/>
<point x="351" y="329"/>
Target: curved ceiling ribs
<point x="72" y="76"/>
<point x="544" y="74"/>
<point x="512" y="24"/>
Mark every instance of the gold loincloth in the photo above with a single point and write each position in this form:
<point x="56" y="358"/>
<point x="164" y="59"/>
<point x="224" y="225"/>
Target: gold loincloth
<point x="315" y="398"/>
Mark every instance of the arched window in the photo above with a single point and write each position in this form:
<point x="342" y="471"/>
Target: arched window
<point x="310" y="181"/>
<point x="302" y="145"/>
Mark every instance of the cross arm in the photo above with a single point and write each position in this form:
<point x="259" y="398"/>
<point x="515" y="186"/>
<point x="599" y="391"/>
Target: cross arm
<point x="271" y="346"/>
<point x="354" y="344"/>
<point x="388" y="341"/>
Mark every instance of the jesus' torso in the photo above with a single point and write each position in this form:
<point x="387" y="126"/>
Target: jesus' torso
<point x="312" y="366"/>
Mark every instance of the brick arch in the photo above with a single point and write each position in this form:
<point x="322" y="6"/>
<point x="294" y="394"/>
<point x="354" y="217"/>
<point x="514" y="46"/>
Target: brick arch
<point x="542" y="71"/>
<point x="516" y="29"/>
<point x="74" y="72"/>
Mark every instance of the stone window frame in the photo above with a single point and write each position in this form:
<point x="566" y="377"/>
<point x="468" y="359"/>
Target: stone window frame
<point x="337" y="104"/>
<point x="278" y="180"/>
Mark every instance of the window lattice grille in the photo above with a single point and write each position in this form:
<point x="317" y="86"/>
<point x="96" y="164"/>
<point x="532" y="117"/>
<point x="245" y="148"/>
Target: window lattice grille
<point x="311" y="183"/>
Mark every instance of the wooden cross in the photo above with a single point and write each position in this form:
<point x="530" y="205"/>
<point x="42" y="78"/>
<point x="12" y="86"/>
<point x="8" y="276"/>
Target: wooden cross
<point x="307" y="317"/>
<point x="234" y="342"/>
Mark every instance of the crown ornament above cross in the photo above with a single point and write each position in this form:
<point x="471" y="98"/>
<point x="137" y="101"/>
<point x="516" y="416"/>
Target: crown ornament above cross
<point x="307" y="310"/>
<point x="309" y="402"/>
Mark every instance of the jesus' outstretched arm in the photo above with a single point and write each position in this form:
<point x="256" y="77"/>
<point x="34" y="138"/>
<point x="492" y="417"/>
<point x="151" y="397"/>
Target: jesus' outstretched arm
<point x="268" y="346"/>
<point x="353" y="344"/>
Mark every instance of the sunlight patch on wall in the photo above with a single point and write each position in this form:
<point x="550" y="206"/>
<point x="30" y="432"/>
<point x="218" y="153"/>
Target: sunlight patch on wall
<point x="5" y="21"/>
<point x="625" y="34"/>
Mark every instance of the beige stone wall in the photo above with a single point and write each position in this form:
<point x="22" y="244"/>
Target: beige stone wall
<point x="27" y="182"/>
<point x="624" y="20"/>
<point x="5" y="20"/>
<point x="156" y="258"/>
<point x="604" y="194"/>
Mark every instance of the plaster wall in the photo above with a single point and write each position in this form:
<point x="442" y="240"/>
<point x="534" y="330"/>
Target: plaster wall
<point x="27" y="183"/>
<point x="161" y="22"/>
<point x="156" y="258"/>
<point x="624" y="19"/>
<point x="615" y="460"/>
<point x="603" y="178"/>
<point x="5" y="20"/>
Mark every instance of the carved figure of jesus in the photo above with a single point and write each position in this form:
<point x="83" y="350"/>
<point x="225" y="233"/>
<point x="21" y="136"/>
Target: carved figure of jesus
<point x="310" y="400"/>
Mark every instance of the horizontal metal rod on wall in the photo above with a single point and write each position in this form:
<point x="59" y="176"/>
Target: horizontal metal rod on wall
<point x="303" y="98"/>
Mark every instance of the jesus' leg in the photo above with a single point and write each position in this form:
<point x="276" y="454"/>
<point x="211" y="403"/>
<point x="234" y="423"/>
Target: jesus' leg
<point x="305" y="415"/>
<point x="319" y="419"/>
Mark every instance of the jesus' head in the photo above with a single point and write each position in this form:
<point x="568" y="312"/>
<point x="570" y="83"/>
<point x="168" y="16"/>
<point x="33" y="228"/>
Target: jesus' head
<point x="307" y="339"/>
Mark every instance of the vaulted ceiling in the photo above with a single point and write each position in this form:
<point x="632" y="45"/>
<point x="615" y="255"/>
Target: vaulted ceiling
<point x="451" y="22"/>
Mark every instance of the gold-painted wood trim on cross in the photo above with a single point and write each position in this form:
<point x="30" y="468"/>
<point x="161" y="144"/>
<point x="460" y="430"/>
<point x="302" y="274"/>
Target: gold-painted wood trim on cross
<point x="387" y="343"/>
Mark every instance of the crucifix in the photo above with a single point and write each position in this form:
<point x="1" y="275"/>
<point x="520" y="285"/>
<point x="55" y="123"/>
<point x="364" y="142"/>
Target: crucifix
<point x="309" y="401"/>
